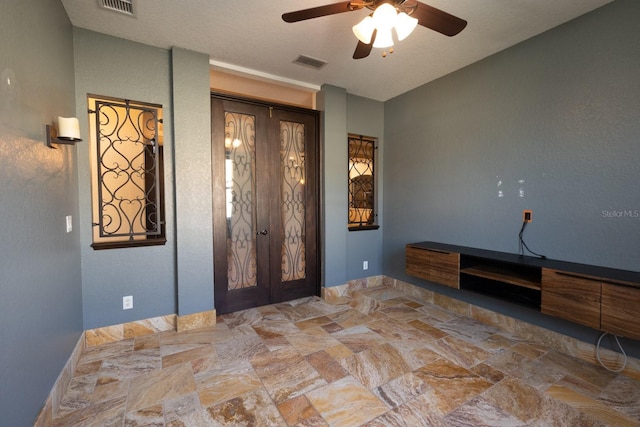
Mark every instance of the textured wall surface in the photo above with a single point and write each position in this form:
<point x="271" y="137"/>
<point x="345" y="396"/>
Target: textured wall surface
<point x="114" y="67"/>
<point x="552" y="125"/>
<point x="344" y="250"/>
<point x="192" y="131"/>
<point x="332" y="101"/>
<point x="40" y="291"/>
<point x="366" y="117"/>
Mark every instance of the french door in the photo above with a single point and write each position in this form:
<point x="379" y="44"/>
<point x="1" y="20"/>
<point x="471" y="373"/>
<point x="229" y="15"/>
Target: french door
<point x="265" y="197"/>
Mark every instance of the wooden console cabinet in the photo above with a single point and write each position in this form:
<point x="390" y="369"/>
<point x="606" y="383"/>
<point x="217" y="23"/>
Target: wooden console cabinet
<point x="601" y="298"/>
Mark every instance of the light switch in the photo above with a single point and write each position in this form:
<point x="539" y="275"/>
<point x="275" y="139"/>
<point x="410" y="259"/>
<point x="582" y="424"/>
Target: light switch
<point x="69" y="223"/>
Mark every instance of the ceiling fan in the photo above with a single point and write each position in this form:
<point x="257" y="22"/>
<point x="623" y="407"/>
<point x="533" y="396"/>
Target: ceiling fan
<point x="375" y="29"/>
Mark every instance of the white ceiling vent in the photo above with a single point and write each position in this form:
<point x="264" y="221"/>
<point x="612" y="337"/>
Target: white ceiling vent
<point x="307" y="61"/>
<point x="122" y="6"/>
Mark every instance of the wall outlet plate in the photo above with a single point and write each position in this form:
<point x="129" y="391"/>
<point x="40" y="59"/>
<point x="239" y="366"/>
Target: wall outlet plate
<point x="127" y="302"/>
<point x="527" y="215"/>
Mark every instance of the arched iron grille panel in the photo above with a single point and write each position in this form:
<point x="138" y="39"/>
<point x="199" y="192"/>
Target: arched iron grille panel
<point x="361" y="181"/>
<point x="292" y="177"/>
<point x="128" y="171"/>
<point x="240" y="166"/>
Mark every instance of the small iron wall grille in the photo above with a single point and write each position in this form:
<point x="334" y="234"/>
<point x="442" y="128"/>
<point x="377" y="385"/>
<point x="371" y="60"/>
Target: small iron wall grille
<point x="362" y="201"/>
<point x="128" y="171"/>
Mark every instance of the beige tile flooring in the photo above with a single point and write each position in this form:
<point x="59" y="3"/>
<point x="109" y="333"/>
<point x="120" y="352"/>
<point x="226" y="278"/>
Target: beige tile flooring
<point x="395" y="361"/>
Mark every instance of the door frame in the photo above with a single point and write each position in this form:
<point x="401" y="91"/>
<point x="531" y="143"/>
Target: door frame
<point x="270" y="295"/>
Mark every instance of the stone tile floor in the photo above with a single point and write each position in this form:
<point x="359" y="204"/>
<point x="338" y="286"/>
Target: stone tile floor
<point x="393" y="361"/>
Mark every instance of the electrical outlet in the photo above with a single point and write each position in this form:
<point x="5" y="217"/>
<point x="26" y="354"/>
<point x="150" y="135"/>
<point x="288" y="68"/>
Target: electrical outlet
<point x="365" y="265"/>
<point x="527" y="216"/>
<point x="127" y="302"/>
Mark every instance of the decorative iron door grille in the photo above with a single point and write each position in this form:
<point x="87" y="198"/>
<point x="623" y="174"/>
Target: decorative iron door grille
<point x="129" y="171"/>
<point x="293" y="199"/>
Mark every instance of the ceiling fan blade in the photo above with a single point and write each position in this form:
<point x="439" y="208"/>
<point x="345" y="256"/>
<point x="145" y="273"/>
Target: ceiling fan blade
<point x="438" y="20"/>
<point x="316" y="12"/>
<point x="362" y="49"/>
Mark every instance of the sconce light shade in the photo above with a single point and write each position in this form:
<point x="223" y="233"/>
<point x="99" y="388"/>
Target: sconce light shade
<point x="68" y="132"/>
<point x="405" y="25"/>
<point x="68" y="128"/>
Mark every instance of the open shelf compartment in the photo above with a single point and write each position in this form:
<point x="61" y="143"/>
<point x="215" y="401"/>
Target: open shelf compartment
<point x="517" y="283"/>
<point x="514" y="274"/>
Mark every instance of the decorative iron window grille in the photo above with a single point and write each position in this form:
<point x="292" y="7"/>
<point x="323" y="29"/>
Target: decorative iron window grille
<point x="361" y="179"/>
<point x="128" y="187"/>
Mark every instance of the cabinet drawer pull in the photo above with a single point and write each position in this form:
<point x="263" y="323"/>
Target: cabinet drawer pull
<point x="439" y="252"/>
<point x="577" y="276"/>
<point x="623" y="284"/>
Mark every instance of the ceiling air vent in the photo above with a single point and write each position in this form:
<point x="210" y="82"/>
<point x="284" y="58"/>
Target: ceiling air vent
<point x="122" y="6"/>
<point x="307" y="61"/>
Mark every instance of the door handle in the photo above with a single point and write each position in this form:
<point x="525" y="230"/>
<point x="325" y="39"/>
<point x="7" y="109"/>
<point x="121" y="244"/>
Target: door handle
<point x="263" y="232"/>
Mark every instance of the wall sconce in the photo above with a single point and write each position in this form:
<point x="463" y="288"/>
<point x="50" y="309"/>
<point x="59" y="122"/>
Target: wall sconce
<point x="68" y="132"/>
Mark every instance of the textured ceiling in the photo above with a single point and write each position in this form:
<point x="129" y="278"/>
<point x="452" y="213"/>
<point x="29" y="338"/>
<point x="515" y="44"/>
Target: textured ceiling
<point x="251" y="37"/>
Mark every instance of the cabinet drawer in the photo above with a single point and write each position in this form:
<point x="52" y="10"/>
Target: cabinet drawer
<point x="445" y="268"/>
<point x="621" y="310"/>
<point x="417" y="262"/>
<point x="571" y="297"/>
<point x="435" y="266"/>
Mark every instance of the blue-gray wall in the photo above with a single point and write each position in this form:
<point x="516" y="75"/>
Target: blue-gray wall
<point x="114" y="67"/>
<point x="366" y="117"/>
<point x="343" y="251"/>
<point x="192" y="131"/>
<point x="332" y="101"/>
<point x="551" y="125"/>
<point x="176" y="277"/>
<point x="40" y="290"/>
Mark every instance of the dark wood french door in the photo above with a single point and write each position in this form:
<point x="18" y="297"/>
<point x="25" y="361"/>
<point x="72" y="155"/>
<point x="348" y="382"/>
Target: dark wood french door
<point x="265" y="203"/>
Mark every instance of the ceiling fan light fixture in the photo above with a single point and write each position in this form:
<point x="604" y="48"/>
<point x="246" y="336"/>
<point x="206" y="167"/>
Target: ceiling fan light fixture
<point x="404" y="25"/>
<point x="364" y="30"/>
<point x="388" y="14"/>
